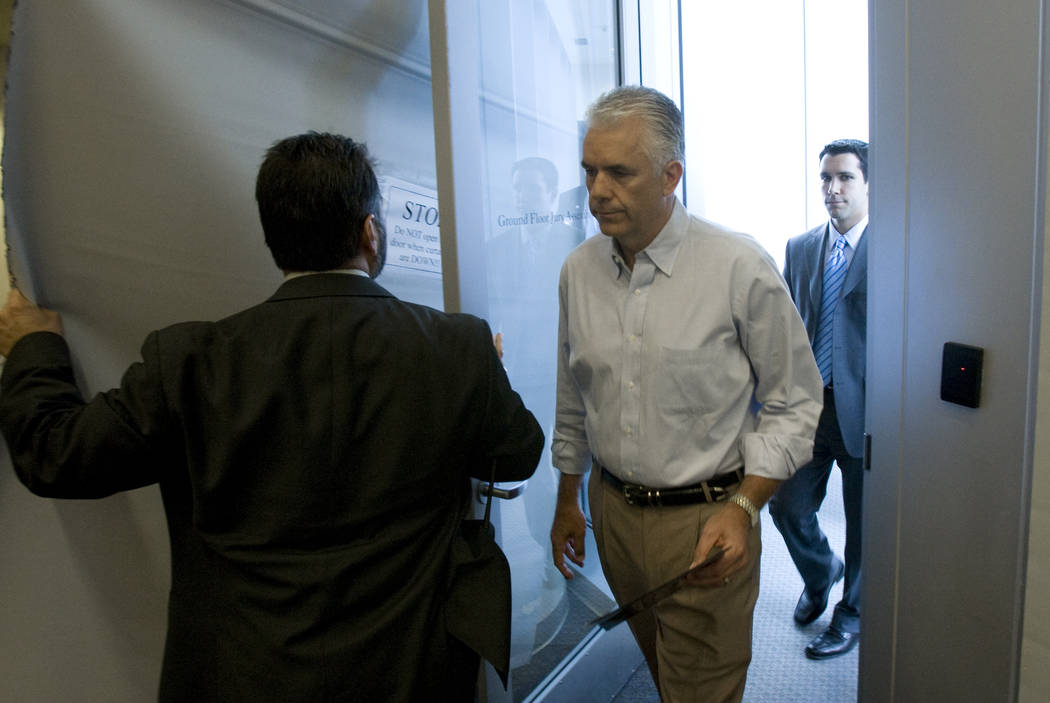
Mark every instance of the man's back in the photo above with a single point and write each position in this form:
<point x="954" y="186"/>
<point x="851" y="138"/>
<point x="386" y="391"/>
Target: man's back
<point x="313" y="454"/>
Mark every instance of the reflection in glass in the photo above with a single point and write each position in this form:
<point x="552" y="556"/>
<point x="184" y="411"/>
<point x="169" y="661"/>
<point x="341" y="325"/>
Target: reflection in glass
<point x="542" y="64"/>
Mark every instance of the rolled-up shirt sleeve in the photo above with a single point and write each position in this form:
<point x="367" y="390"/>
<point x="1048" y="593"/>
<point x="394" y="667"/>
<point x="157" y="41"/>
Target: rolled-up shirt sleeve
<point x="788" y="387"/>
<point x="570" y="451"/>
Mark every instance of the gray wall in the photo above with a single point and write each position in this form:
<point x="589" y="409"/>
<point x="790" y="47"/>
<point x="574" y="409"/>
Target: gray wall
<point x="134" y="131"/>
<point x="1035" y="651"/>
<point x="958" y="179"/>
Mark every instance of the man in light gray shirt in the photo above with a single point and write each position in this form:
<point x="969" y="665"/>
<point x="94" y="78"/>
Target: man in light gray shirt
<point x="686" y="382"/>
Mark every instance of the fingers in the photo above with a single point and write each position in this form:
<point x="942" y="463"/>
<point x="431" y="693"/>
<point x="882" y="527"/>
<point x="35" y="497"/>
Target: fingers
<point x="724" y="531"/>
<point x="575" y="555"/>
<point x="704" y="547"/>
<point x="566" y="546"/>
<point x="568" y="537"/>
<point x="559" y="561"/>
<point x="20" y="317"/>
<point x="16" y="301"/>
<point x="720" y="573"/>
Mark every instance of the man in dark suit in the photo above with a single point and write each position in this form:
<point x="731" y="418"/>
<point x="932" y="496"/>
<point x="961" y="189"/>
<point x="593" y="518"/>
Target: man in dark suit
<point x="313" y="454"/>
<point x="826" y="270"/>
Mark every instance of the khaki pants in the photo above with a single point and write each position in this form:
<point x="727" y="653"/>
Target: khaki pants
<point x="697" y="642"/>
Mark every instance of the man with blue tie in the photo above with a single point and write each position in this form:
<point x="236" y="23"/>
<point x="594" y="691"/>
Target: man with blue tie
<point x="826" y="271"/>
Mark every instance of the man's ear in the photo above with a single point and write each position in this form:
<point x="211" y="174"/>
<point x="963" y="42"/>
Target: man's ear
<point x="369" y="238"/>
<point x="671" y="176"/>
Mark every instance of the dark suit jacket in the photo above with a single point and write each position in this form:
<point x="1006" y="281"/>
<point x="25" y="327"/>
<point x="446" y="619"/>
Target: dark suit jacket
<point x="313" y="454"/>
<point x="804" y="272"/>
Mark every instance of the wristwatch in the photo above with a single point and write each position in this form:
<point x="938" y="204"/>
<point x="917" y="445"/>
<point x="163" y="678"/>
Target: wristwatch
<point x="749" y="507"/>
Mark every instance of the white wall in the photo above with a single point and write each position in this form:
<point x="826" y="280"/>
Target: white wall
<point x="766" y="85"/>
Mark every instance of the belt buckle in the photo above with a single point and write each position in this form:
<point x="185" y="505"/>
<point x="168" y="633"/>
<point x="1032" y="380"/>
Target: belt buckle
<point x="640" y="495"/>
<point x="629" y="494"/>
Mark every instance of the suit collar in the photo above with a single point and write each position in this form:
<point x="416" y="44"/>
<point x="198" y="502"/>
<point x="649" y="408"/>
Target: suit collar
<point x="329" y="284"/>
<point x="858" y="266"/>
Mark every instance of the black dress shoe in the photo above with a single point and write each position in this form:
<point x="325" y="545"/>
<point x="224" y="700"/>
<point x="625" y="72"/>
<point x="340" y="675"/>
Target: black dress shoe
<point x="807" y="610"/>
<point x="832" y="642"/>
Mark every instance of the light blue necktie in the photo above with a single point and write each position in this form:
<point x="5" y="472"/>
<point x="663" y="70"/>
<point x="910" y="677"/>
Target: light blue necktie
<point x="834" y="274"/>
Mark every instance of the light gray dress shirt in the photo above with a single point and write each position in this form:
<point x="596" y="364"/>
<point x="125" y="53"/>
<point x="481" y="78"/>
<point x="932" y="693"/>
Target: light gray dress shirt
<point x="694" y="364"/>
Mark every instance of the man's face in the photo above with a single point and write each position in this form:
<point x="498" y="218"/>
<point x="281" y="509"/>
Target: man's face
<point x="531" y="193"/>
<point x="845" y="190"/>
<point x="628" y="195"/>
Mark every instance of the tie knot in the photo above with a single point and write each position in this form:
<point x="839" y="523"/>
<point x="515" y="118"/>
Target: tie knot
<point x="840" y="243"/>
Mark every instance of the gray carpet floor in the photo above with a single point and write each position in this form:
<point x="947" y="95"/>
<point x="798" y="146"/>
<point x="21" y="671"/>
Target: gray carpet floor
<point x="780" y="671"/>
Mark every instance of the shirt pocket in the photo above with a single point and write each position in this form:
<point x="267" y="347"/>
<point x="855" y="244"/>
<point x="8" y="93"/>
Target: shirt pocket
<point x="689" y="381"/>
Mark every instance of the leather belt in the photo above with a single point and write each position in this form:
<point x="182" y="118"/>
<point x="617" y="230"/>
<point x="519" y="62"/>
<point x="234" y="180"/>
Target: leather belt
<point x="712" y="491"/>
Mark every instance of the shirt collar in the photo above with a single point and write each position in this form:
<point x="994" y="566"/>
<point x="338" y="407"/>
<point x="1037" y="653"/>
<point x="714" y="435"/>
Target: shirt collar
<point x="852" y="236"/>
<point x="349" y="272"/>
<point x="663" y="250"/>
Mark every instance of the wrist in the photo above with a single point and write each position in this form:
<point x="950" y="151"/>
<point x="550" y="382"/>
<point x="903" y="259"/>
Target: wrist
<point x="569" y="487"/>
<point x="747" y="506"/>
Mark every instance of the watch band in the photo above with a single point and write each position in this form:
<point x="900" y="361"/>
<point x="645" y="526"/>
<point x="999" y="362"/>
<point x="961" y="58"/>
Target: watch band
<point x="750" y="508"/>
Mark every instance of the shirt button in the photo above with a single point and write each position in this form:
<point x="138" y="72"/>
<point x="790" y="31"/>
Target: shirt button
<point x="630" y="384"/>
<point x="637" y="291"/>
<point x="631" y="338"/>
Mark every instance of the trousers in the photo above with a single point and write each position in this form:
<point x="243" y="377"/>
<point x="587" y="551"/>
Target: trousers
<point x="794" y="511"/>
<point x="697" y="642"/>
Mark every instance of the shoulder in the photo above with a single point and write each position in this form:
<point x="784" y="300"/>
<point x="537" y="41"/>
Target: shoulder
<point x="805" y="247"/>
<point x="445" y="328"/>
<point x="724" y="247"/>
<point x="595" y="252"/>
<point x="183" y="333"/>
<point x="594" y="247"/>
<point x="815" y="234"/>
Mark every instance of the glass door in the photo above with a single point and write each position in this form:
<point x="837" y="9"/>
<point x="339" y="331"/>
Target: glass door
<point x="512" y="80"/>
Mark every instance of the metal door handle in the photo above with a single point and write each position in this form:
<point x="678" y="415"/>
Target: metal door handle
<point x="507" y="493"/>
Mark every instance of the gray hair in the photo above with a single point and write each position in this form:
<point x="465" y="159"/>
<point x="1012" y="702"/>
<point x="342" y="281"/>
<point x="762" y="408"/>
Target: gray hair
<point x="663" y="139"/>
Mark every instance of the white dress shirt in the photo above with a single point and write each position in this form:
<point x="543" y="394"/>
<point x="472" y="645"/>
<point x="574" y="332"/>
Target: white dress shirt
<point x="692" y="365"/>
<point x="852" y="239"/>
<point x="348" y="272"/>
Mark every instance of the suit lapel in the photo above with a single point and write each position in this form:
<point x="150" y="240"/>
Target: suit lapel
<point x="858" y="266"/>
<point x="815" y="248"/>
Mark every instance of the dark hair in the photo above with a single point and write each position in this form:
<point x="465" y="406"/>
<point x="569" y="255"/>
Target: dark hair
<point x="849" y="146"/>
<point x="663" y="137"/>
<point x="315" y="192"/>
<point x="548" y="172"/>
